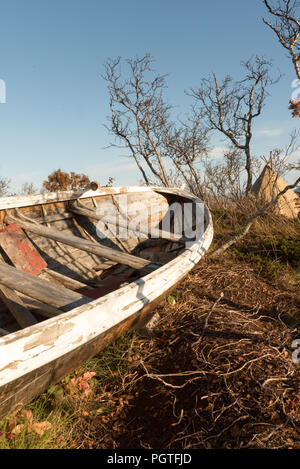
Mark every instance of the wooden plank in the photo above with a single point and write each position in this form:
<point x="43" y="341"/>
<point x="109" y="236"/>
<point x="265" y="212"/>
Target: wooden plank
<point x="83" y="244"/>
<point x="20" y="250"/>
<point x="53" y="197"/>
<point x="15" y="305"/>
<point x="3" y="332"/>
<point x="85" y="235"/>
<point x="25" y="257"/>
<point x="54" y="217"/>
<point x="155" y="232"/>
<point x="68" y="282"/>
<point x="40" y="289"/>
<point x="63" y="249"/>
<point x="37" y="306"/>
<point x="112" y="236"/>
<point x="37" y="199"/>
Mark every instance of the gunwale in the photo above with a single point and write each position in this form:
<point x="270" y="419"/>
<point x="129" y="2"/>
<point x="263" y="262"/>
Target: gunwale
<point x="35" y="199"/>
<point x="25" y="352"/>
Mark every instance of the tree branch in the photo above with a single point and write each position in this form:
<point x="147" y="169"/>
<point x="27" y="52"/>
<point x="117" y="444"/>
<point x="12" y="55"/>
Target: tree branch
<point x="249" y="222"/>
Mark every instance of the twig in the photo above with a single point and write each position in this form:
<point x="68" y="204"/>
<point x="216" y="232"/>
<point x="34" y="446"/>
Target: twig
<point x="207" y="319"/>
<point x="249" y="222"/>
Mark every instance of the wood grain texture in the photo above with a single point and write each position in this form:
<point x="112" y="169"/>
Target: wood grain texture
<point x="156" y="233"/>
<point x="33" y="358"/>
<point x="79" y="243"/>
<point x="16" y="306"/>
<point x="67" y="281"/>
<point x="40" y="289"/>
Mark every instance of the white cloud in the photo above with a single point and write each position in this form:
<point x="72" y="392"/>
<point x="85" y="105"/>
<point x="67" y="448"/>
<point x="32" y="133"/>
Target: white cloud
<point x="295" y="156"/>
<point x="217" y="152"/>
<point x="124" y="171"/>
<point x="269" y="132"/>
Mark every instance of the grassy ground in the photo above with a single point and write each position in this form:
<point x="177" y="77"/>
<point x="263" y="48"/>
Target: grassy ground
<point x="216" y="372"/>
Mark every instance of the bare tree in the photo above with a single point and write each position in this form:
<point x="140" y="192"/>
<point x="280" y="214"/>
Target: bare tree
<point x="230" y="107"/>
<point x="187" y="146"/>
<point x="249" y="222"/>
<point x="286" y="26"/>
<point x="165" y="152"/>
<point x="28" y="188"/>
<point x="139" y="114"/>
<point x="4" y="186"/>
<point x="223" y="181"/>
<point x="280" y="157"/>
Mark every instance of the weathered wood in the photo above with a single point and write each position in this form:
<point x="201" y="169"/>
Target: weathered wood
<point x="155" y="232"/>
<point x="85" y="235"/>
<point x="24" y="256"/>
<point x="20" y="250"/>
<point x="63" y="249"/>
<point x="34" y="358"/>
<point x="40" y="289"/>
<point x="3" y="332"/>
<point x="120" y="243"/>
<point x="62" y="196"/>
<point x="41" y="308"/>
<point x="83" y="244"/>
<point x="68" y="282"/>
<point x="37" y="199"/>
<point x="15" y="305"/>
<point x="103" y="266"/>
<point x="54" y="217"/>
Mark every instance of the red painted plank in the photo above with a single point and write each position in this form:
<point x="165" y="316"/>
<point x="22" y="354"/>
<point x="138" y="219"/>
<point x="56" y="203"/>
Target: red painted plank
<point x="20" y="250"/>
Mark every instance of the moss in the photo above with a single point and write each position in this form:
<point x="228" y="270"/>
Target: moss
<point x="289" y="250"/>
<point x="273" y="254"/>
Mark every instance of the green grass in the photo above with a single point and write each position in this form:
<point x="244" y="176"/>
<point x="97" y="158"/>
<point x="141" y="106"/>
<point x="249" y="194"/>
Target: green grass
<point x="62" y="404"/>
<point x="273" y="243"/>
<point x="276" y="256"/>
<point x="48" y="429"/>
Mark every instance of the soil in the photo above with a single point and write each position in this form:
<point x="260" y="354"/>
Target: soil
<point x="216" y="372"/>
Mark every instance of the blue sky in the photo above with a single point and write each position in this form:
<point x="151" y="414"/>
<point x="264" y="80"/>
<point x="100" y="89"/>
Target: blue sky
<point x="52" y="55"/>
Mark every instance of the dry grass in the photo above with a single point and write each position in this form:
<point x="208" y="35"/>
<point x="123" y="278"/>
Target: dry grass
<point x="217" y="372"/>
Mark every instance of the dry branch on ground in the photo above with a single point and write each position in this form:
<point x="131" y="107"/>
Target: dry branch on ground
<point x="217" y="373"/>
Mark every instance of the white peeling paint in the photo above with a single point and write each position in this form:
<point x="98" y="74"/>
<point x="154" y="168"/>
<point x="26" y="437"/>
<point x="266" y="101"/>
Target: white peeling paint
<point x="29" y="349"/>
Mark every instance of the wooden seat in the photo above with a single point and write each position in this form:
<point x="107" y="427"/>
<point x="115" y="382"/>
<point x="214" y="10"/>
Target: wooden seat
<point x="85" y="245"/>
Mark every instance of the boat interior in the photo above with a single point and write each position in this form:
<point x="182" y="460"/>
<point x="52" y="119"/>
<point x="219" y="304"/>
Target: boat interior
<point x="56" y="255"/>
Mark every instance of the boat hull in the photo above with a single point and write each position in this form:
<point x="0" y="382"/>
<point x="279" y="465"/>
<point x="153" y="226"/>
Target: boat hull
<point x="34" y="358"/>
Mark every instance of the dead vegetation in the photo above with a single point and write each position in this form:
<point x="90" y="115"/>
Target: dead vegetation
<point x="216" y="373"/>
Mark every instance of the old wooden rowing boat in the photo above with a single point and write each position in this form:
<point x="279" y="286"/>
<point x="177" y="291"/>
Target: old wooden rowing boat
<point x="78" y="270"/>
